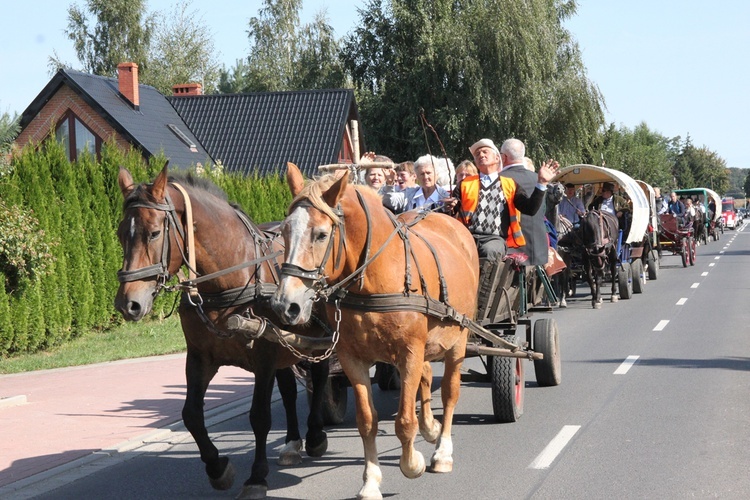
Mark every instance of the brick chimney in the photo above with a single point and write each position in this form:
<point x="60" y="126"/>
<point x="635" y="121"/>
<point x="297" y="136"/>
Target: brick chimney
<point x="187" y="89"/>
<point x="127" y="81"/>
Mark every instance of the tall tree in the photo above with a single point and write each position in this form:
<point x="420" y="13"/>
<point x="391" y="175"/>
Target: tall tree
<point x="478" y="68"/>
<point x="108" y="32"/>
<point x="285" y="55"/>
<point x="182" y="51"/>
<point x="701" y="167"/>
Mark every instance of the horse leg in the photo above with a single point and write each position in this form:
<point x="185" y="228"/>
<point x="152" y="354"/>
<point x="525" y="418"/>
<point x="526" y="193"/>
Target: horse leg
<point x="411" y="368"/>
<point x="591" y="278"/>
<point x="442" y="458"/>
<point x="367" y="424"/>
<point x="316" y="440"/>
<point x="260" y="420"/>
<point x="290" y="453"/>
<point x="615" y="281"/>
<point x="429" y="428"/>
<point x="199" y="374"/>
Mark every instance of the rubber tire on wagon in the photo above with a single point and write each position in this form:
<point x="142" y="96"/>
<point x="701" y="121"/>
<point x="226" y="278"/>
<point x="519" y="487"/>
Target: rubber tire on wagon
<point x="652" y="260"/>
<point x="508" y="380"/>
<point x="625" y="280"/>
<point x="638" y="276"/>
<point x="684" y="252"/>
<point x="547" y="341"/>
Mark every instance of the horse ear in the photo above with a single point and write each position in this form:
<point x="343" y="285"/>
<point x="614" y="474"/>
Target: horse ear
<point x="336" y="191"/>
<point x="294" y="178"/>
<point x="159" y="186"/>
<point x="125" y="181"/>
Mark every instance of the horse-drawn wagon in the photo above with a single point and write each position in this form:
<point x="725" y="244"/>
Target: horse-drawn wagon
<point x="710" y="220"/>
<point x="651" y="256"/>
<point x="599" y="242"/>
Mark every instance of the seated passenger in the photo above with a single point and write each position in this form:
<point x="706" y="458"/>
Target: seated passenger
<point x="427" y="195"/>
<point x="489" y="205"/>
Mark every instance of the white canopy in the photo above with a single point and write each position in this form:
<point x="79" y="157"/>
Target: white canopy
<point x="705" y="191"/>
<point x="591" y="174"/>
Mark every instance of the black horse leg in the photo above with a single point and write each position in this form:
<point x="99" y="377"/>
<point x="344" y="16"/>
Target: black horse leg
<point x="591" y="277"/>
<point x="260" y="421"/>
<point x="316" y="440"/>
<point x="615" y="281"/>
<point x="290" y="454"/>
<point x="198" y="375"/>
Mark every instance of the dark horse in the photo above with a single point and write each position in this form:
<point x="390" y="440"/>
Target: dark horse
<point x="598" y="237"/>
<point x="232" y="265"/>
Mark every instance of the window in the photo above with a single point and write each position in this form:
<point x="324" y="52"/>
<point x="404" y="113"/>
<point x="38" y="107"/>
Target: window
<point x="76" y="137"/>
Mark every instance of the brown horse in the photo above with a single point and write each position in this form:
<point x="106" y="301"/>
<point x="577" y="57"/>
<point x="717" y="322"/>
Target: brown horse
<point x="379" y="274"/>
<point x="234" y="262"/>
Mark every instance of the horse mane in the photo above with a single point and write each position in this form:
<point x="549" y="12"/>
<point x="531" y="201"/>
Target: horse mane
<point x="200" y="183"/>
<point x="313" y="192"/>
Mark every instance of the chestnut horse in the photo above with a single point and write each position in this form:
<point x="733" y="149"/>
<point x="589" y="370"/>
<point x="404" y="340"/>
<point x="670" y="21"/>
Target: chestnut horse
<point x="380" y="275"/>
<point x="155" y="240"/>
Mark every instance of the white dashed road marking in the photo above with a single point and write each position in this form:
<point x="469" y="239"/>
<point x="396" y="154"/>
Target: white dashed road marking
<point x="704" y="274"/>
<point x="694" y="285"/>
<point x="553" y="449"/>
<point x="712" y="264"/>
<point x="681" y="302"/>
<point x="626" y="365"/>
<point x="661" y="325"/>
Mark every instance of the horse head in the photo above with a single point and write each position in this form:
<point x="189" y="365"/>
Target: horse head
<point x="145" y="238"/>
<point x="555" y="194"/>
<point x="309" y="231"/>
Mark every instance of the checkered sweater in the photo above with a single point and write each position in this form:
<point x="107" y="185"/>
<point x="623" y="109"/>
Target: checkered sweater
<point x="487" y="219"/>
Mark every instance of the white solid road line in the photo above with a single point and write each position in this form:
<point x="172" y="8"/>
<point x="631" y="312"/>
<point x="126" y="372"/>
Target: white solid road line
<point x="660" y="326"/>
<point x="553" y="449"/>
<point x="626" y="365"/>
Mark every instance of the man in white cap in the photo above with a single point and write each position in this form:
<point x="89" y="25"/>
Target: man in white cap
<point x="489" y="205"/>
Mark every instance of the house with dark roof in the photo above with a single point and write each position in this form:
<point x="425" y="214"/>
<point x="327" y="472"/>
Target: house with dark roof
<point x="248" y="133"/>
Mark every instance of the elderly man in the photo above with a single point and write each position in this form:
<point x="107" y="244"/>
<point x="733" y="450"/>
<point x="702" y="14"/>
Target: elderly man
<point x="427" y="195"/>
<point x="489" y="204"/>
<point x="514" y="165"/>
<point x="571" y="207"/>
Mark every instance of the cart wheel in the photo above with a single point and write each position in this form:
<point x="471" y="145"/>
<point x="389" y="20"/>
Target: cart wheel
<point x="652" y="260"/>
<point x="387" y="377"/>
<point x="692" y="244"/>
<point x="546" y="341"/>
<point x="335" y="398"/>
<point x="625" y="278"/>
<point x="639" y="277"/>
<point x="508" y="385"/>
<point x="684" y="251"/>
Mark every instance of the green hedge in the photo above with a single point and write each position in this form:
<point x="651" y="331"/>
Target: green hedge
<point x="59" y="253"/>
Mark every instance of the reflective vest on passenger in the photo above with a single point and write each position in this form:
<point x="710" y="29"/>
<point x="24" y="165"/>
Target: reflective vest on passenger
<point x="470" y="187"/>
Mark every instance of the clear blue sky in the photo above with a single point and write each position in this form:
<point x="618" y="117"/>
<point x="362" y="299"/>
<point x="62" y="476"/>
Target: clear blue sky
<point x="681" y="66"/>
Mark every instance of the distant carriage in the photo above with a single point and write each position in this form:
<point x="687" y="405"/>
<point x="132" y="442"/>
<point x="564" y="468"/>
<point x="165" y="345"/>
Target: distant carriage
<point x="711" y="222"/>
<point x="630" y="240"/>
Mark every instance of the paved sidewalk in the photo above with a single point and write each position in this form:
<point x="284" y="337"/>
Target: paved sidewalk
<point x="72" y="413"/>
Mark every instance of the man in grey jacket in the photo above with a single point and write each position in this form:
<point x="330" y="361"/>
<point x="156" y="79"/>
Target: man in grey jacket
<point x="512" y="153"/>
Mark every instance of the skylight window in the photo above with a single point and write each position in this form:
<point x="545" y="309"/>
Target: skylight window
<point x="184" y="138"/>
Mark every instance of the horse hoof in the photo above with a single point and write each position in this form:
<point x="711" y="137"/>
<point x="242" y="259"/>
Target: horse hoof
<point x="563" y="304"/>
<point x="614" y="298"/>
<point x="225" y="481"/>
<point x="442" y="466"/>
<point x="417" y="470"/>
<point x="597" y="305"/>
<point x="253" y="492"/>
<point x="290" y="453"/>
<point x="317" y="450"/>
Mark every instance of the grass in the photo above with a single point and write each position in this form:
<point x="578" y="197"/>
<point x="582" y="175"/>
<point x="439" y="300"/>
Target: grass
<point x="130" y="340"/>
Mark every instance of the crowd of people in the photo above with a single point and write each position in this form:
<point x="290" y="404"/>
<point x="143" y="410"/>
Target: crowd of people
<point x="488" y="194"/>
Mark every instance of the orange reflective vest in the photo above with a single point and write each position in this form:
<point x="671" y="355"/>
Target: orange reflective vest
<point x="470" y="199"/>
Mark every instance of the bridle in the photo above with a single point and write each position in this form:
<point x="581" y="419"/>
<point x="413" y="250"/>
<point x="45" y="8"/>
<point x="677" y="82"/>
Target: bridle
<point x="160" y="270"/>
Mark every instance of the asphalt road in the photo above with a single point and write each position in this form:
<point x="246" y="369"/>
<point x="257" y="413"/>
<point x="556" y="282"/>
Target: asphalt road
<point x="653" y="404"/>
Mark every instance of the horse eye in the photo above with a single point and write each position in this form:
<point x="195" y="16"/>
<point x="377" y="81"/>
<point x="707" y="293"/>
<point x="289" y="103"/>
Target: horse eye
<point x="154" y="235"/>
<point x="321" y="236"/>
